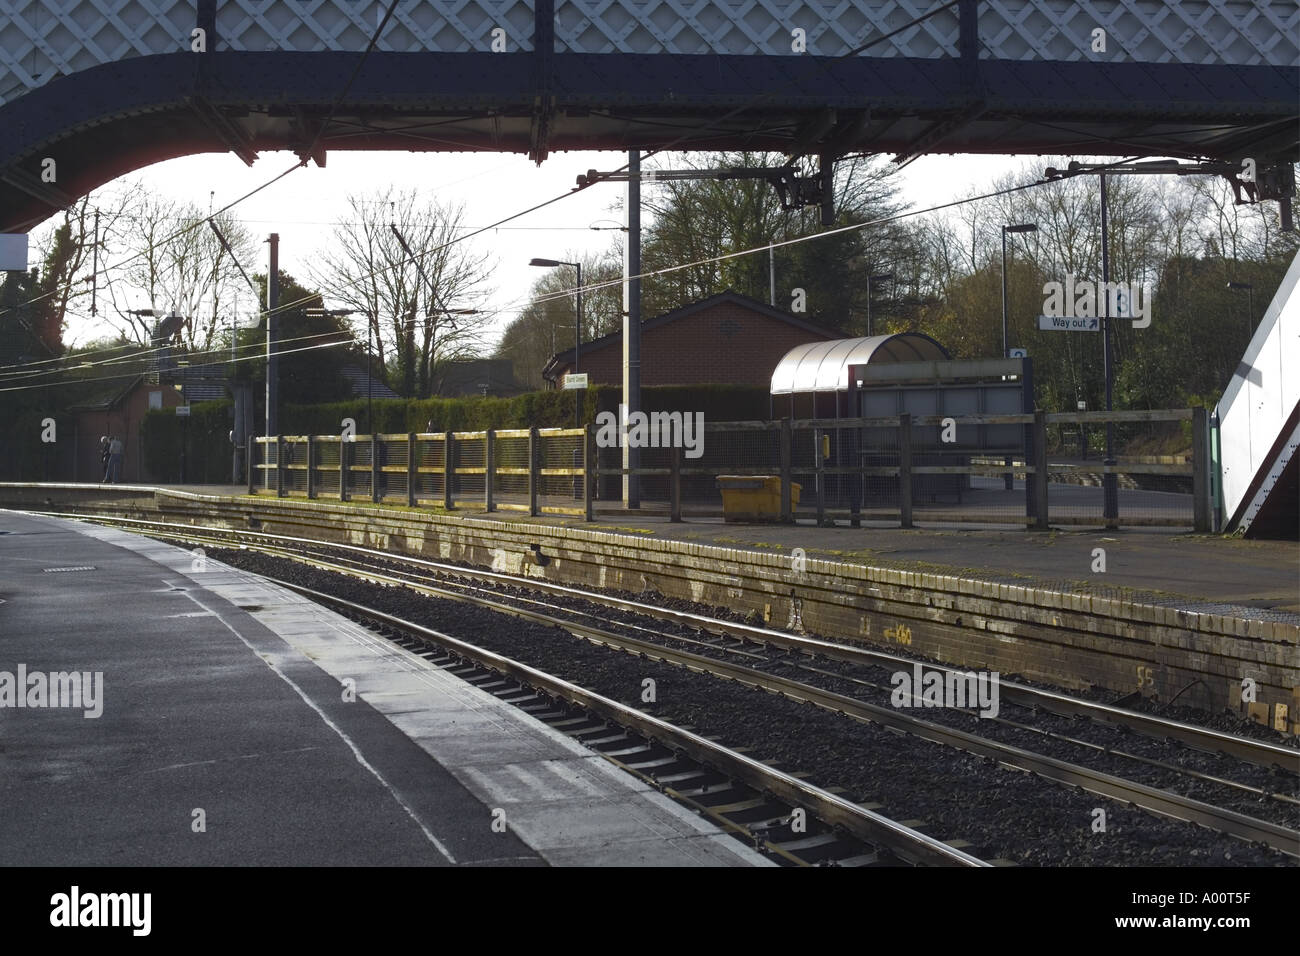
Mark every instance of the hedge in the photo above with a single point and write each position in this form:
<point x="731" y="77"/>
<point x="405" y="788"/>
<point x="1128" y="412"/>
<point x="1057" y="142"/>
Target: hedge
<point x="205" y="434"/>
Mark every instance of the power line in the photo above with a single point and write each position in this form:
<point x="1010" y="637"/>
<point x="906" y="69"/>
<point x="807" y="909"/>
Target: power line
<point x="884" y="220"/>
<point x="703" y="126"/>
<point x="245" y="358"/>
<point x="302" y="162"/>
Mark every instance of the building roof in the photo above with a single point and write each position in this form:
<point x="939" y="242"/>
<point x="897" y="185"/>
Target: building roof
<point x="481" y="376"/>
<point x="199" y="383"/>
<point x="359" y="379"/>
<point x="565" y="358"/>
<point x="109" y="396"/>
<point x="824" y="366"/>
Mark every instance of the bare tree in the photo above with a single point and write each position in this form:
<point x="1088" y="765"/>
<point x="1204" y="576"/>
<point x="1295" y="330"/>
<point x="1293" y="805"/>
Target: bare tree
<point x="66" y="247"/>
<point x="178" y="265"/>
<point x="417" y="308"/>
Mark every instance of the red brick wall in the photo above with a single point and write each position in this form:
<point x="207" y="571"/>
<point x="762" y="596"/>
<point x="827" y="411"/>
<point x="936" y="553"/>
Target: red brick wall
<point x="726" y="343"/>
<point x="123" y="421"/>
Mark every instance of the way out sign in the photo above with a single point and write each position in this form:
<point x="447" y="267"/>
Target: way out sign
<point x="1068" y="323"/>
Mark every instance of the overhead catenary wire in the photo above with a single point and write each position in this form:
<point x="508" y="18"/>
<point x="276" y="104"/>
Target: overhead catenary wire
<point x="884" y="220"/>
<point x="137" y="359"/>
<point x="146" y="354"/>
<point x="256" y="356"/>
<point x="852" y="227"/>
<point x="212" y="214"/>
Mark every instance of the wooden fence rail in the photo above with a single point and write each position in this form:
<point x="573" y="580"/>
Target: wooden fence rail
<point x="532" y="465"/>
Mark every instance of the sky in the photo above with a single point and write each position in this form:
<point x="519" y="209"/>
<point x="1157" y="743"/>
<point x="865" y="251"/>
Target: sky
<point x="303" y="206"/>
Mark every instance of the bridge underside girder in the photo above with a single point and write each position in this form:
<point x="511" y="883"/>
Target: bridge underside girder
<point x="106" y="121"/>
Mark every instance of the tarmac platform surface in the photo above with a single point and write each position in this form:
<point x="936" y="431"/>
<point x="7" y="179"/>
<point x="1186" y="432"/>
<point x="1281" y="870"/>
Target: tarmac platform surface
<point x="223" y="736"/>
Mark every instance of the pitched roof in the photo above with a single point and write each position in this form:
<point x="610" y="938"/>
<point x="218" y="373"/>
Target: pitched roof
<point x="472" y="376"/>
<point x="109" y="395"/>
<point x="358" y="379"/>
<point x="686" y="311"/>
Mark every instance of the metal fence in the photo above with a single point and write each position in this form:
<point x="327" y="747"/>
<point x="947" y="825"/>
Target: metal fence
<point x="988" y="469"/>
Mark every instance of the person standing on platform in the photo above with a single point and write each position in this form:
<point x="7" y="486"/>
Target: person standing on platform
<point x="103" y="459"/>
<point x="114" y="459"/>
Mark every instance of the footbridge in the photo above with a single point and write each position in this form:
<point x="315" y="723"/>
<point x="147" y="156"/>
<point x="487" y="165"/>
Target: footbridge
<point x="90" y="90"/>
<point x="1259" y="424"/>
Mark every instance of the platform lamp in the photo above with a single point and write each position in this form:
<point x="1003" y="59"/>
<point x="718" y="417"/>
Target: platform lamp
<point x="879" y="277"/>
<point x="577" y="327"/>
<point x="1250" y="291"/>
<point x="1023" y="227"/>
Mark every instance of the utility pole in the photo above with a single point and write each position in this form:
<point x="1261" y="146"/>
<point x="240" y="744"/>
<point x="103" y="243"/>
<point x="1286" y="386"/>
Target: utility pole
<point x="632" y="328"/>
<point x="771" y="276"/>
<point x="1109" y="484"/>
<point x="272" y="339"/>
<point x="795" y="192"/>
<point x="882" y="277"/>
<point x="94" y="274"/>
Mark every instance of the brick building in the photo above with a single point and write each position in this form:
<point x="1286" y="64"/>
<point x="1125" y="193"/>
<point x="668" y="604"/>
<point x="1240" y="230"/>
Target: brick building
<point x="118" y="410"/>
<point x="727" y="338"/>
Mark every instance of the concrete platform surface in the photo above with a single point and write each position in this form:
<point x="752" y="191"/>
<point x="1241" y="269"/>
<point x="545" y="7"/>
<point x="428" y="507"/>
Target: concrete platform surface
<point x="218" y="726"/>
<point x="1158" y="565"/>
<point x="1215" y="573"/>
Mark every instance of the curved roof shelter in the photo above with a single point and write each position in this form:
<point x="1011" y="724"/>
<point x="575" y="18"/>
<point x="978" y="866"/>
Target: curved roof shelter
<point x="824" y="366"/>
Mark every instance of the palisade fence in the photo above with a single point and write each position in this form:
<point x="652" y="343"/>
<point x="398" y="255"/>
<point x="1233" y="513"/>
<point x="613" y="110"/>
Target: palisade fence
<point x="983" y="469"/>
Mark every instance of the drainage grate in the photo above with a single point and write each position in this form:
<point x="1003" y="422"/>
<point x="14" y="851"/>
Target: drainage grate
<point x="83" y="567"/>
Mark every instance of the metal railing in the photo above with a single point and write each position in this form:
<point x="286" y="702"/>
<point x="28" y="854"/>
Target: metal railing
<point x="900" y="470"/>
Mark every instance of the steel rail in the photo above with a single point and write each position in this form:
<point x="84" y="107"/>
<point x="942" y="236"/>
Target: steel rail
<point x="1106" y="785"/>
<point x="865" y="824"/>
<point x="1257" y="752"/>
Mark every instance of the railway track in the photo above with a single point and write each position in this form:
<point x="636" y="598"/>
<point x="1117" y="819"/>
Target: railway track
<point x="730" y="639"/>
<point x="776" y="812"/>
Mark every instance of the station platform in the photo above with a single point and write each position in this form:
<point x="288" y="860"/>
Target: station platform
<point x="1150" y="563"/>
<point x="215" y="729"/>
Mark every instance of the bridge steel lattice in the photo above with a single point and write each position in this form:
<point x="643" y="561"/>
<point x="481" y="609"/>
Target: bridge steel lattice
<point x="102" y="87"/>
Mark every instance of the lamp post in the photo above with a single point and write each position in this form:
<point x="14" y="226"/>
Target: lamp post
<point x="272" y="341"/>
<point x="881" y="277"/>
<point x="577" y="326"/>
<point x="1250" y="292"/>
<point x="1008" y="480"/>
<point x="1023" y="227"/>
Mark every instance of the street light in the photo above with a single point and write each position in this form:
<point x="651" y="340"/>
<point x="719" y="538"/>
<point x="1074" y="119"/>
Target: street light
<point x="577" y="328"/>
<point x="881" y="277"/>
<point x="1250" y="291"/>
<point x="1023" y="227"/>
